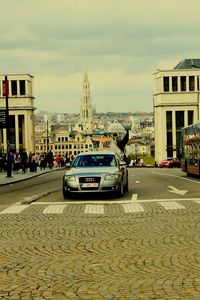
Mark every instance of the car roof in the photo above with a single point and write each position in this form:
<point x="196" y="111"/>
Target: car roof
<point x="103" y="152"/>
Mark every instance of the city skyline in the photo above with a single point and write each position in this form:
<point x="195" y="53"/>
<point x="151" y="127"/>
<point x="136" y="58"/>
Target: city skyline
<point x="122" y="43"/>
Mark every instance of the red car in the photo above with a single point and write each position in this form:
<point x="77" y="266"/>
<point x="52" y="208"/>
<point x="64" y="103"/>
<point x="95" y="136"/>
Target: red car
<point x="170" y="162"/>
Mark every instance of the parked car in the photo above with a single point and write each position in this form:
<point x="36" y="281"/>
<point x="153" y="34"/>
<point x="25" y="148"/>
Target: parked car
<point x="96" y="172"/>
<point x="170" y="162"/>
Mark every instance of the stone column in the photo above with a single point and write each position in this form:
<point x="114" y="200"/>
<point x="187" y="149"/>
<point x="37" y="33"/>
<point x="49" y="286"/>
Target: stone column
<point x="17" y="133"/>
<point x="174" y="131"/>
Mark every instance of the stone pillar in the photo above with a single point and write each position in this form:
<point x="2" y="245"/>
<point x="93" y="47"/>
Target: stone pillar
<point x="174" y="132"/>
<point x="17" y="133"/>
<point x="185" y="118"/>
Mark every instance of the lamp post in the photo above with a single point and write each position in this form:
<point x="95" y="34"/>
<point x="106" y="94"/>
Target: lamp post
<point x="47" y="136"/>
<point x="6" y="93"/>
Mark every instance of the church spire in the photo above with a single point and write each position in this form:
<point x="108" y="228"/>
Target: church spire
<point x="86" y="113"/>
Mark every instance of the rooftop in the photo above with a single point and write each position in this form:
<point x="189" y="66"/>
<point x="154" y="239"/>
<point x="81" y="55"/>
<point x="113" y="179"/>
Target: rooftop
<point x="189" y="63"/>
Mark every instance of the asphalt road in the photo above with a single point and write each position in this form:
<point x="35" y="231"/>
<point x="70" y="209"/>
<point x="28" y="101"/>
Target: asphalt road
<point x="145" y="245"/>
<point x="16" y="192"/>
<point x="144" y="184"/>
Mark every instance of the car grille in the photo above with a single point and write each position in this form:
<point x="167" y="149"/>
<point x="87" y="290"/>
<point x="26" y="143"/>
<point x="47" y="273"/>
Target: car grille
<point x="89" y="183"/>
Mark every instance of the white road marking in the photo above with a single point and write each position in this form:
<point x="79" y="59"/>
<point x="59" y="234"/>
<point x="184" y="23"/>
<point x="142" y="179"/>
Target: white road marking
<point x="130" y="207"/>
<point x="137" y="181"/>
<point x="110" y="201"/>
<point x="54" y="209"/>
<point x="134" y="197"/>
<point x="177" y="191"/>
<point x="14" y="209"/>
<point x="171" y="205"/>
<point x="180" y="177"/>
<point x="94" y="209"/>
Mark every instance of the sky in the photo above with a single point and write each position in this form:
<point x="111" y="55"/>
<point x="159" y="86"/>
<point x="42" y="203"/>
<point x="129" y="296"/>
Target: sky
<point x="122" y="42"/>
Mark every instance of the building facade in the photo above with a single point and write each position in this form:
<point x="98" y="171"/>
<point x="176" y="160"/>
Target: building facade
<point x="62" y="142"/>
<point x="176" y="103"/>
<point x="21" y="113"/>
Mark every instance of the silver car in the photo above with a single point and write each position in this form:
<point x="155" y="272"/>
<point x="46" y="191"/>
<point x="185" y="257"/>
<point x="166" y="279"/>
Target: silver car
<point x="100" y="171"/>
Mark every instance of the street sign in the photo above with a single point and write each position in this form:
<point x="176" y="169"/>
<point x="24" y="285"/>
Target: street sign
<point x="2" y="118"/>
<point x="5" y="88"/>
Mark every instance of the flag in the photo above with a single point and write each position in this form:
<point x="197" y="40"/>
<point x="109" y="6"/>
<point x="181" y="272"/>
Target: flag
<point x="122" y="143"/>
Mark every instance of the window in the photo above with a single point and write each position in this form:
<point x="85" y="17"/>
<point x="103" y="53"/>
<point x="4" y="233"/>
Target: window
<point x="169" y="120"/>
<point x="179" y="120"/>
<point x="191" y="83"/>
<point x="179" y="126"/>
<point x="183" y="83"/>
<point x="166" y="84"/>
<point x="66" y="139"/>
<point x="14" y="87"/>
<point x="190" y="117"/>
<point x="63" y="139"/>
<point x="174" y="84"/>
<point x="169" y="133"/>
<point x="22" y="87"/>
<point x="59" y="139"/>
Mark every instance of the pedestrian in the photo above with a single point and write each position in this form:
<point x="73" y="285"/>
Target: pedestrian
<point x="24" y="160"/>
<point x="49" y="159"/>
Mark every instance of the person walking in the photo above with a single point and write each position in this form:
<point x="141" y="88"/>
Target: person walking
<point x="24" y="159"/>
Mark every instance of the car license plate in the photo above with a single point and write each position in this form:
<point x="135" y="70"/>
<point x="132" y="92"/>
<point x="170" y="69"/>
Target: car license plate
<point x="90" y="184"/>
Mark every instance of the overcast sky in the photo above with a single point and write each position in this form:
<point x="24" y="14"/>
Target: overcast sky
<point x="122" y="41"/>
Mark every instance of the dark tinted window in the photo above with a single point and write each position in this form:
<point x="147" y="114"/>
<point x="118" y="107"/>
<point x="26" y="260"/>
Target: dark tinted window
<point x="166" y="84"/>
<point x="106" y="160"/>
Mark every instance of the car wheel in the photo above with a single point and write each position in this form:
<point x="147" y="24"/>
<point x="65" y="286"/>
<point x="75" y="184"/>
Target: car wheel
<point x="126" y="186"/>
<point x="66" y="195"/>
<point x="120" y="193"/>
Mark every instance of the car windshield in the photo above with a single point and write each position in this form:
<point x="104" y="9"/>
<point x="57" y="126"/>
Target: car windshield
<point x="102" y="160"/>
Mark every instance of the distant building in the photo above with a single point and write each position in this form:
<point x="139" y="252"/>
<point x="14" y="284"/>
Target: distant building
<point x="62" y="142"/>
<point x="86" y="112"/>
<point x="21" y="113"/>
<point x="176" y="104"/>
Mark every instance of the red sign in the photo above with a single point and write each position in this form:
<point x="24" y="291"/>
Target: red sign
<point x="5" y="88"/>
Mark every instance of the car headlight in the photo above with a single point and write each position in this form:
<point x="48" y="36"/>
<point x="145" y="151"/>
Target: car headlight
<point x="69" y="178"/>
<point x="112" y="176"/>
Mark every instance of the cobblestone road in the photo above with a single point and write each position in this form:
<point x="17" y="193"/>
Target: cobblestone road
<point x="100" y="251"/>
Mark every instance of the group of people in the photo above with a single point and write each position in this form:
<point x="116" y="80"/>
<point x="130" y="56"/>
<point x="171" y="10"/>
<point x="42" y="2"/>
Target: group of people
<point x="32" y="161"/>
<point x="139" y="162"/>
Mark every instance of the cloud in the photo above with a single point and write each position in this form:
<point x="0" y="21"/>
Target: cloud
<point x="123" y="42"/>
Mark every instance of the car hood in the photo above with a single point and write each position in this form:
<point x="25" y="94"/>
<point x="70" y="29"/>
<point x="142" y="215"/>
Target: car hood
<point x="91" y="171"/>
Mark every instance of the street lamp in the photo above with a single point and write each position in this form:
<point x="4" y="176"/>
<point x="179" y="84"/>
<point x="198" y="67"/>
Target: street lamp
<point x="47" y="136"/>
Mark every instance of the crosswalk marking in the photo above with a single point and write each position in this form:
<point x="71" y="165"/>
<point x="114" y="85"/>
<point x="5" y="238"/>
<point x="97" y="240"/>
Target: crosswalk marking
<point x="132" y="207"/>
<point x="94" y="209"/>
<point x="54" y="209"/>
<point x="171" y="205"/>
<point x="98" y="208"/>
<point x="134" y="197"/>
<point x="14" y="209"/>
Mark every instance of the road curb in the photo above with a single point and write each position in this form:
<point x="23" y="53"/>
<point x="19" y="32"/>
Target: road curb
<point x="34" y="198"/>
<point x="31" y="176"/>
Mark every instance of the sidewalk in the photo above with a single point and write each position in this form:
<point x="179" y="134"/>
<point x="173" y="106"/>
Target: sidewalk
<point x="19" y="176"/>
